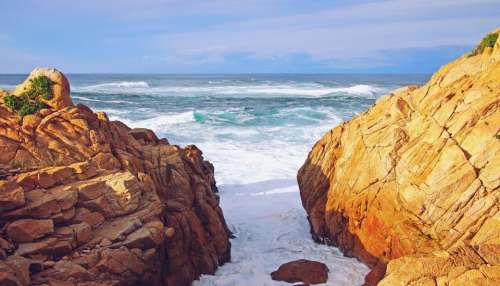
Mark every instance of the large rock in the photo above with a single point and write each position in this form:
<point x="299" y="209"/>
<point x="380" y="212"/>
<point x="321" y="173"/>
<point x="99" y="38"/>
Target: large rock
<point x="302" y="270"/>
<point x="416" y="177"/>
<point x="96" y="201"/>
<point x="59" y="87"/>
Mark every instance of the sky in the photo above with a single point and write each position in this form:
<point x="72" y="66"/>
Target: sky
<point x="241" y="36"/>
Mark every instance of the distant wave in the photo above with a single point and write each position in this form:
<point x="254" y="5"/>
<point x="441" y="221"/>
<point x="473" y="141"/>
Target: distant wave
<point x="360" y="89"/>
<point x="99" y="100"/>
<point x="297" y="89"/>
<point x="113" y="86"/>
<point x="127" y="84"/>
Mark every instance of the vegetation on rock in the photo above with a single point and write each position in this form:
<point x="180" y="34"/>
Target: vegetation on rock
<point x="29" y="102"/>
<point x="487" y="42"/>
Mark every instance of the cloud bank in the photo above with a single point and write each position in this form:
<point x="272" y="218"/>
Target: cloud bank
<point x="245" y="36"/>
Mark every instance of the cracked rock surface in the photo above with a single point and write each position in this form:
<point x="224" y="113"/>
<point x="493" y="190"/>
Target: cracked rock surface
<point x="414" y="181"/>
<point x="89" y="201"/>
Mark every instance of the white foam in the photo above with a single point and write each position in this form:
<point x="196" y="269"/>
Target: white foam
<point x="290" y="89"/>
<point x="255" y="168"/>
<point x="112" y="86"/>
<point x="99" y="100"/>
<point x="126" y="84"/>
<point x="360" y="89"/>
<point x="159" y="123"/>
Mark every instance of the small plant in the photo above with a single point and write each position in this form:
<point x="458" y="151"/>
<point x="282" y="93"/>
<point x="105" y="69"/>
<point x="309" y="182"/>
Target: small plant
<point x="29" y="102"/>
<point x="487" y="42"/>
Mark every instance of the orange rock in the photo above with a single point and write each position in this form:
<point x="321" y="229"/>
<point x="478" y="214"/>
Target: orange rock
<point x="416" y="178"/>
<point x="26" y="230"/>
<point x="59" y="87"/>
<point x="98" y="180"/>
<point x="11" y="196"/>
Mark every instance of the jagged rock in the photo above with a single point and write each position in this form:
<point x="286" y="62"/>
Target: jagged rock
<point x="306" y="271"/>
<point x="27" y="230"/>
<point x="127" y="208"/>
<point x="416" y="178"/>
<point x="145" y="136"/>
<point x="149" y="236"/>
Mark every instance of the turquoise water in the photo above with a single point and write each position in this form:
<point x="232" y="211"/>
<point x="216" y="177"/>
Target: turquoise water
<point x="252" y="127"/>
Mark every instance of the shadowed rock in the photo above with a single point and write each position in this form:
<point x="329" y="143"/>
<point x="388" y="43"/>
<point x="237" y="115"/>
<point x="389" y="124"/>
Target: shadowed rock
<point x="306" y="271"/>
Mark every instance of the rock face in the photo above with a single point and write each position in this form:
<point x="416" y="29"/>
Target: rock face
<point x="91" y="200"/>
<point x="414" y="181"/>
<point x="305" y="271"/>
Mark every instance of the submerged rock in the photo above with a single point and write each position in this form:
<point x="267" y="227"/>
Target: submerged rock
<point x="95" y="201"/>
<point x="414" y="181"/>
<point x="302" y="270"/>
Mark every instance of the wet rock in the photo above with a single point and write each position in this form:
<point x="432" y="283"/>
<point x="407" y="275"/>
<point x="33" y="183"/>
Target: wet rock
<point x="306" y="271"/>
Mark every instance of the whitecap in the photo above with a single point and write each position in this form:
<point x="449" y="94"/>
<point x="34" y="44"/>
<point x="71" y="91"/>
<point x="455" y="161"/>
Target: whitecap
<point x="112" y="86"/>
<point x="99" y="100"/>
<point x="260" y="90"/>
<point x="160" y="122"/>
<point x="359" y="89"/>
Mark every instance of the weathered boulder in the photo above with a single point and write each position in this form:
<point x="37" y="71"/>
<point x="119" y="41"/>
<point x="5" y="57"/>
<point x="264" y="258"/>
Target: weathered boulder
<point x="94" y="201"/>
<point x="302" y="270"/>
<point x="59" y="87"/>
<point x="416" y="177"/>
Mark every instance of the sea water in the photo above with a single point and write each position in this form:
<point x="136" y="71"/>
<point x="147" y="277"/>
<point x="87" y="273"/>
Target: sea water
<point x="257" y="130"/>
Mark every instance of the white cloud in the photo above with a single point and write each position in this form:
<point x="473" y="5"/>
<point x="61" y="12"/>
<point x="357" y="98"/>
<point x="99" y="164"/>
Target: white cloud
<point x="341" y="33"/>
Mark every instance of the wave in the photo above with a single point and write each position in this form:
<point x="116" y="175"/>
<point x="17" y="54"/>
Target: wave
<point x="113" y="86"/>
<point x="360" y="89"/>
<point x="126" y="84"/>
<point x="158" y="123"/>
<point x="99" y="100"/>
<point x="288" y="89"/>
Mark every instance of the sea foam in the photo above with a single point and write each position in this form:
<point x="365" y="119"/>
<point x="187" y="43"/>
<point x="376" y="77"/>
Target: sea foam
<point x="231" y="89"/>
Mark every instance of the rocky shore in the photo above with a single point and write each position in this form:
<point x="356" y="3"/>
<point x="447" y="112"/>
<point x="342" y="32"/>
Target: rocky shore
<point x="89" y="201"/>
<point x="411" y="186"/>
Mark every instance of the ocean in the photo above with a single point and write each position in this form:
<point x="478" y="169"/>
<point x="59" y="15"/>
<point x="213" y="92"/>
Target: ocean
<point x="257" y="131"/>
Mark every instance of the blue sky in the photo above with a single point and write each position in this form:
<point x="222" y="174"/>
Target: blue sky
<point x="245" y="36"/>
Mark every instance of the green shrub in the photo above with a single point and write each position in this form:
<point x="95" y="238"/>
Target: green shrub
<point x="41" y="87"/>
<point x="487" y="42"/>
<point x="12" y="102"/>
<point x="29" y="102"/>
